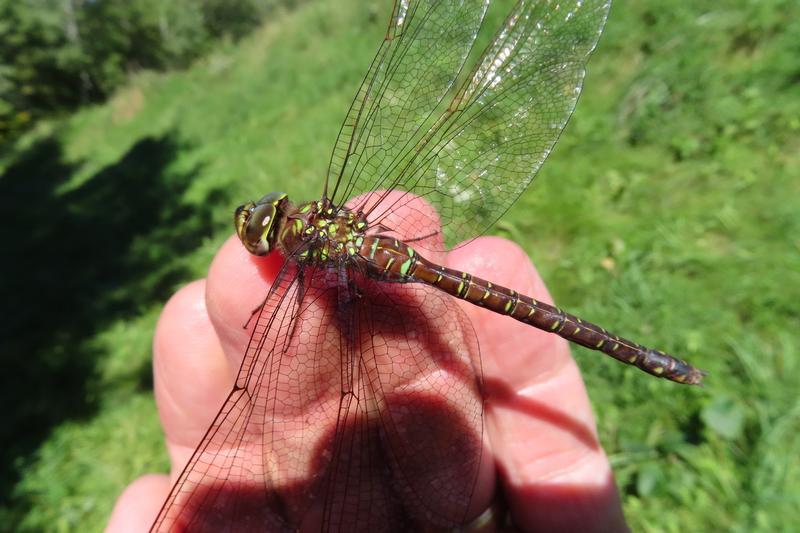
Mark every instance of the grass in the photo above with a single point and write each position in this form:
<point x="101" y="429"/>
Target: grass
<point x="669" y="210"/>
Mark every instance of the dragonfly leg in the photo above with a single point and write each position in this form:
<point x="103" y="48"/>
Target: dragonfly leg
<point x="255" y="312"/>
<point x="423" y="237"/>
<point x="383" y="228"/>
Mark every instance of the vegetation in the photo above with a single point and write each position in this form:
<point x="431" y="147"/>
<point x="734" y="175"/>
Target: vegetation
<point x="58" y="54"/>
<point x="669" y="210"/>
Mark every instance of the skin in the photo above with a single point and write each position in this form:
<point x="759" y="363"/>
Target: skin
<point x="542" y="437"/>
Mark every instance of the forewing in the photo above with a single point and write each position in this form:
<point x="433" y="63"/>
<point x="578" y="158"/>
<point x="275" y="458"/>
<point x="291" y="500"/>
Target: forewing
<point x="497" y="131"/>
<point x="423" y="52"/>
<point x="243" y="473"/>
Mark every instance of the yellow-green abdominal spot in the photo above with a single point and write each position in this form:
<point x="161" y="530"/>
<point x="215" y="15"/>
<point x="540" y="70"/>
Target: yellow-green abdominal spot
<point x="405" y="266"/>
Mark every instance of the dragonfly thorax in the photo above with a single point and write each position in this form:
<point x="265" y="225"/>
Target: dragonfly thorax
<point x="318" y="232"/>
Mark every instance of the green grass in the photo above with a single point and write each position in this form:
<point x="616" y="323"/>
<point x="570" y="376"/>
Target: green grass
<point x="669" y="211"/>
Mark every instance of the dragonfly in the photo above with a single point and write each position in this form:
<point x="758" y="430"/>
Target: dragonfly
<point x="358" y="404"/>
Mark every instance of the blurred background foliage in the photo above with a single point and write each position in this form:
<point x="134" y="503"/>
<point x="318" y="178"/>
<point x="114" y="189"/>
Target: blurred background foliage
<point x="668" y="212"/>
<point x="58" y="54"/>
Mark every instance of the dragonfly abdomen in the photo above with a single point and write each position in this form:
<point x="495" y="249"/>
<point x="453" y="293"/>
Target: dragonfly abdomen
<point x="550" y="318"/>
<point x="394" y="260"/>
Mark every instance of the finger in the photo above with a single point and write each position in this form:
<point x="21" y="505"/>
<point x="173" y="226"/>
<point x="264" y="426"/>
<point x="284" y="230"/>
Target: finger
<point x="238" y="282"/>
<point x="137" y="507"/>
<point x="555" y="474"/>
<point x="191" y="375"/>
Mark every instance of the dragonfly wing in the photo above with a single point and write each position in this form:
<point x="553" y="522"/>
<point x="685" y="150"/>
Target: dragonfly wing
<point x="425" y="47"/>
<point x="498" y="129"/>
<point x="408" y="447"/>
<point x="222" y="484"/>
<point x="239" y="475"/>
<point x="357" y="407"/>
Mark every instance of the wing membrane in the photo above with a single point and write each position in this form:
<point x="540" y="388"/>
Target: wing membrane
<point x="233" y="471"/>
<point x="423" y="52"/>
<point x="357" y="407"/>
<point x="501" y="125"/>
<point x="407" y="450"/>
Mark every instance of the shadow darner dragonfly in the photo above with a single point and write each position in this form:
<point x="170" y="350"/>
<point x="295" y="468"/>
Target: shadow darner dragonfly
<point x="327" y="399"/>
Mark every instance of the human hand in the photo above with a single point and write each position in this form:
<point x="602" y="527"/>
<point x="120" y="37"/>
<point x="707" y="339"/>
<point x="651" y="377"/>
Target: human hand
<point x="554" y="475"/>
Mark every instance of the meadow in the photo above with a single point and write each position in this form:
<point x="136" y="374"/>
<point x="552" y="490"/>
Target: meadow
<point x="669" y="210"/>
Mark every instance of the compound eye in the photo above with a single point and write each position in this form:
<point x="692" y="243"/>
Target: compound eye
<point x="241" y="217"/>
<point x="257" y="232"/>
<point x="255" y="222"/>
<point x="272" y="198"/>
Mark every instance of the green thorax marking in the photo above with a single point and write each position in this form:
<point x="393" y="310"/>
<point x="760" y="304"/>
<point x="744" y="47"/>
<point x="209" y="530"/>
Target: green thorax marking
<point x="322" y="231"/>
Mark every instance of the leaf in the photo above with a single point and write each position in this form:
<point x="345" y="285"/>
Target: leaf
<point x="649" y="477"/>
<point x="725" y="417"/>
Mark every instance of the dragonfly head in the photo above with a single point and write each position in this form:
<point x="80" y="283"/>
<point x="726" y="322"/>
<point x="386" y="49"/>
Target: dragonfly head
<point x="257" y="222"/>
